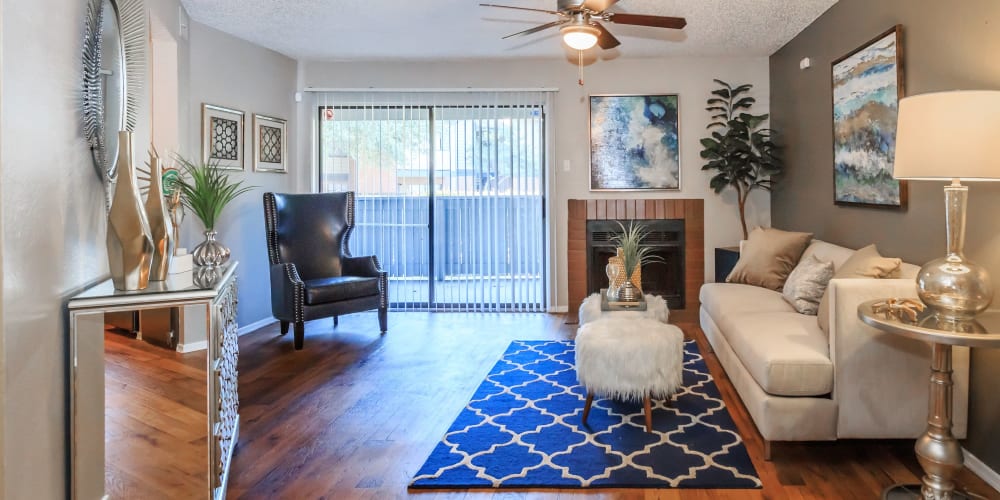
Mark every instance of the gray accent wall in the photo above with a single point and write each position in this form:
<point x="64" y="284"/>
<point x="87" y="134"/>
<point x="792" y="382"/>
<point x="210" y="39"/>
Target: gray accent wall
<point x="231" y="72"/>
<point x="946" y="46"/>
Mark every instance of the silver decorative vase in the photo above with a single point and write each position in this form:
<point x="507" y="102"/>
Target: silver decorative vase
<point x="210" y="253"/>
<point x="160" y="226"/>
<point x="628" y="292"/>
<point x="129" y="242"/>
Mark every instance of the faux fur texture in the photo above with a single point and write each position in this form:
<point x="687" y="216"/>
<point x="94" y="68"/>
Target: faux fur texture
<point x="628" y="358"/>
<point x="656" y="308"/>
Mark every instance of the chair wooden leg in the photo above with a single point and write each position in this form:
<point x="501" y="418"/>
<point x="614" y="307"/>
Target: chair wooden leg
<point x="586" y="407"/>
<point x="648" y="407"/>
<point x="284" y="327"/>
<point x="383" y="319"/>
<point x="336" y="321"/>
<point x="300" y="335"/>
<point x="767" y="450"/>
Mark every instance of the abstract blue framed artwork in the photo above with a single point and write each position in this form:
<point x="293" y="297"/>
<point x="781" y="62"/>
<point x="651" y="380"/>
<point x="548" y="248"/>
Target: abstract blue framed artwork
<point x="634" y="142"/>
<point x="867" y="86"/>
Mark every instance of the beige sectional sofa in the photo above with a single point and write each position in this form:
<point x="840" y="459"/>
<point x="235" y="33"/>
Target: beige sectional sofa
<point x="799" y="384"/>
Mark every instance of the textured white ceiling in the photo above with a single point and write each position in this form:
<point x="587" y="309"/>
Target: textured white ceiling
<point x="461" y="29"/>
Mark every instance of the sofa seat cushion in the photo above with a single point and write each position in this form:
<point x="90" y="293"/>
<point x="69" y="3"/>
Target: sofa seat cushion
<point x="325" y="290"/>
<point x="726" y="299"/>
<point x="785" y="352"/>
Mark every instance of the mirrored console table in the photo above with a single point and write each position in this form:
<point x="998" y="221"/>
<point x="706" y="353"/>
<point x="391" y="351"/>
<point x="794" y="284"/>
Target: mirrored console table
<point x="208" y="298"/>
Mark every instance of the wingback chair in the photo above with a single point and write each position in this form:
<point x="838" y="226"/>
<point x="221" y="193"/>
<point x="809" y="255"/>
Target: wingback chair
<point x="313" y="274"/>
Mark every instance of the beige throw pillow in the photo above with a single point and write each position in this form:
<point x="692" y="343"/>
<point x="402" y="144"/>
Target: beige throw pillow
<point x="864" y="263"/>
<point x="805" y="286"/>
<point x="768" y="256"/>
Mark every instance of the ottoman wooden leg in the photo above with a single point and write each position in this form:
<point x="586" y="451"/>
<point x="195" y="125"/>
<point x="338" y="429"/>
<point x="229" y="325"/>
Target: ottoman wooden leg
<point x="649" y="413"/>
<point x="586" y="406"/>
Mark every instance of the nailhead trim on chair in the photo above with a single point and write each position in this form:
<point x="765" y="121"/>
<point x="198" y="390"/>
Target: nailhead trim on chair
<point x="293" y="277"/>
<point x="350" y="224"/>
<point x="383" y="284"/>
<point x="271" y="220"/>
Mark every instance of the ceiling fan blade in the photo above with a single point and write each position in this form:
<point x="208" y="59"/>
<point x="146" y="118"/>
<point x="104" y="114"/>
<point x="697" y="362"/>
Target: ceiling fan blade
<point x="599" y="5"/>
<point x="518" y="8"/>
<point x="641" y="20"/>
<point x="536" y="29"/>
<point x="606" y="40"/>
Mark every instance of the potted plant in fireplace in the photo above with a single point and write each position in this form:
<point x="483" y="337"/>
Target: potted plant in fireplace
<point x="626" y="284"/>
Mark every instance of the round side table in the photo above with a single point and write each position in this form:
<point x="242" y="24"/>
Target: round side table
<point x="938" y="452"/>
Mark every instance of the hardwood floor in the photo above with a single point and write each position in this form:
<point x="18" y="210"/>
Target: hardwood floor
<point x="156" y="433"/>
<point x="355" y="414"/>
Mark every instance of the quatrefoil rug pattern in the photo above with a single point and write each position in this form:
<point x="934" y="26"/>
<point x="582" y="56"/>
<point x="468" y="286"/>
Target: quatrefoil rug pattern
<point x="523" y="429"/>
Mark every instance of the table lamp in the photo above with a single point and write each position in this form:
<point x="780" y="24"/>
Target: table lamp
<point x="951" y="136"/>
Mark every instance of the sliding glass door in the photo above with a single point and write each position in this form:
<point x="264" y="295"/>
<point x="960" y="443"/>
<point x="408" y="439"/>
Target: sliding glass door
<point x="450" y="198"/>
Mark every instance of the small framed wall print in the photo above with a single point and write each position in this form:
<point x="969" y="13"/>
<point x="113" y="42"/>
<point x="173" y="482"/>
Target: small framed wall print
<point x="222" y="137"/>
<point x="270" y="140"/>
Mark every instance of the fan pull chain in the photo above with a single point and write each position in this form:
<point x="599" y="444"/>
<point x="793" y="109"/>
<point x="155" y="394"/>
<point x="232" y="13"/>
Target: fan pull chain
<point x="579" y="60"/>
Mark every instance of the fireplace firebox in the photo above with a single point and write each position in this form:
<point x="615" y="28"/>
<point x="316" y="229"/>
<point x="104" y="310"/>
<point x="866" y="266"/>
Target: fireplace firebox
<point x="665" y="238"/>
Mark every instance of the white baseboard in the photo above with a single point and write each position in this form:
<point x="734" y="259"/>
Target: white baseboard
<point x="982" y="470"/>
<point x="192" y="347"/>
<point x="558" y="309"/>
<point x="256" y="325"/>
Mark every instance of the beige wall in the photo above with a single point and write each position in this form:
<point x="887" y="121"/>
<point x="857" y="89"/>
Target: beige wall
<point x="230" y="72"/>
<point x="946" y="46"/>
<point x="691" y="78"/>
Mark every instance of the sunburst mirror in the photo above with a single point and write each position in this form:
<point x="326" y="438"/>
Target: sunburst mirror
<point x="114" y="62"/>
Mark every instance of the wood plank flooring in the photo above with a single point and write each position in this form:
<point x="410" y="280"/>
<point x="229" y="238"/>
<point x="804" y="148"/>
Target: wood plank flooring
<point x="156" y="430"/>
<point x="355" y="414"/>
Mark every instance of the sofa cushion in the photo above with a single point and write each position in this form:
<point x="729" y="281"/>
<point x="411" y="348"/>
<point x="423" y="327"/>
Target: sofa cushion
<point x="768" y="256"/>
<point x="727" y="299"/>
<point x="785" y="352"/>
<point x="805" y="286"/>
<point x="866" y="263"/>
<point x="324" y="290"/>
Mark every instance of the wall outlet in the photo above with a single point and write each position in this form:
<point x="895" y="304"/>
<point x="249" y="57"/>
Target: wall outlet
<point x="567" y="166"/>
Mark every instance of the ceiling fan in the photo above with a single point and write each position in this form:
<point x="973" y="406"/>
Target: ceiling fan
<point x="579" y="22"/>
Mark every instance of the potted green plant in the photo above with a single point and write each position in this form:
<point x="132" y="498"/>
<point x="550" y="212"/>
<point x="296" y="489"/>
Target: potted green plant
<point x="206" y="189"/>
<point x="633" y="256"/>
<point x="740" y="149"/>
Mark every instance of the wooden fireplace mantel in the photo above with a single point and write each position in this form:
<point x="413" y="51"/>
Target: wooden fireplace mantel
<point x="691" y="211"/>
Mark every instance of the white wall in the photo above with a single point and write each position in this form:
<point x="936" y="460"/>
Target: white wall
<point x="53" y="234"/>
<point x="691" y="78"/>
<point x="230" y="72"/>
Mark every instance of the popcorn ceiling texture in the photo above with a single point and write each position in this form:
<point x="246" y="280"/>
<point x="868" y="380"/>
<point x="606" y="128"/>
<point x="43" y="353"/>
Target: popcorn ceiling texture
<point x="461" y="29"/>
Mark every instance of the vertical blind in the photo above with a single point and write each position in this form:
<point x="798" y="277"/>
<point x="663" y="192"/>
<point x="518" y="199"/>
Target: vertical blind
<point x="450" y="192"/>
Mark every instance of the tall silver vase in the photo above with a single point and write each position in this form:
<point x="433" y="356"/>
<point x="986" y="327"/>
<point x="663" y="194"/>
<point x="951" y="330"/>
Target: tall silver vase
<point x="160" y="226"/>
<point x="130" y="244"/>
<point x="210" y="253"/>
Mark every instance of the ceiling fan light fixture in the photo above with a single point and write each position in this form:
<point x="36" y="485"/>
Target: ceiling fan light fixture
<point x="580" y="37"/>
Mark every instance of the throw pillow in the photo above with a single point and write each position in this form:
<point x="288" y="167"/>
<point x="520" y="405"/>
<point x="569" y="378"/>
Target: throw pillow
<point x="768" y="256"/>
<point x="864" y="263"/>
<point x="805" y="286"/>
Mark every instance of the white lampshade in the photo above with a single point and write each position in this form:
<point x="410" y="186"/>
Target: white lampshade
<point x="580" y="37"/>
<point x="948" y="135"/>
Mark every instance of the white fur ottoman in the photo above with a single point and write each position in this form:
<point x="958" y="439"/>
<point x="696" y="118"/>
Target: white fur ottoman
<point x="631" y="358"/>
<point x="656" y="308"/>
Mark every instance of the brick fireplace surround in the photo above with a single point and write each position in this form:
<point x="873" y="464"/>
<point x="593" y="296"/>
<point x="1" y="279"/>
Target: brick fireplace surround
<point x="691" y="211"/>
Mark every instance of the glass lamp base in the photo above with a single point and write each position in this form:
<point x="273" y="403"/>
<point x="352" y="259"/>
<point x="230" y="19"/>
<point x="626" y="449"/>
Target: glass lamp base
<point x="954" y="287"/>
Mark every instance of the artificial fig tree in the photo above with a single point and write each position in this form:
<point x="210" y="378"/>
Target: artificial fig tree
<point x="740" y="149"/>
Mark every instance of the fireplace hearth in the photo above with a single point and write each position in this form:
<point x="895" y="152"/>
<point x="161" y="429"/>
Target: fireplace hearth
<point x="665" y="239"/>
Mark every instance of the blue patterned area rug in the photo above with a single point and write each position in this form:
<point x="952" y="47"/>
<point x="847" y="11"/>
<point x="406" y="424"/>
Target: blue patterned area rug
<point x="523" y="429"/>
